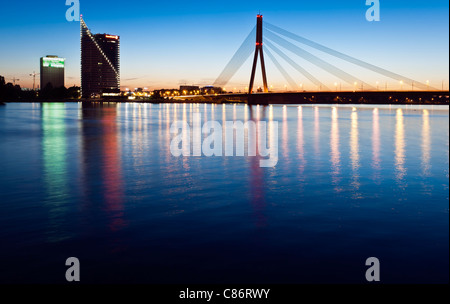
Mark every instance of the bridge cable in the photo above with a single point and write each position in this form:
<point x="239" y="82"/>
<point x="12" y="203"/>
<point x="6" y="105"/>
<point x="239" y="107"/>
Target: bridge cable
<point x="345" y="57"/>
<point x="315" y="60"/>
<point x="238" y="59"/>
<point x="281" y="69"/>
<point x="296" y="66"/>
<point x="300" y="69"/>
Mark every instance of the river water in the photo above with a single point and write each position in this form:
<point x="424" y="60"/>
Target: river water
<point x="99" y="182"/>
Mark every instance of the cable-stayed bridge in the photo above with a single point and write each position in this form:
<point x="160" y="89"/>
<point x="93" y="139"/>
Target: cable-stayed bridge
<point x="272" y="40"/>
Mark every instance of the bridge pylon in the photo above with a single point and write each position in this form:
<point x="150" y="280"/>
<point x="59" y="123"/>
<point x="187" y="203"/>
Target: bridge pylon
<point x="258" y="51"/>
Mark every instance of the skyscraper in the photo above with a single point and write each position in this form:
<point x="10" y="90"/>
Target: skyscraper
<point x="52" y="71"/>
<point x="100" y="63"/>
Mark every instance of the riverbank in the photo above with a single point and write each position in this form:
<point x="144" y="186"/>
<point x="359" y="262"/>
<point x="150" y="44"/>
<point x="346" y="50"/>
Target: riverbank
<point x="372" y="98"/>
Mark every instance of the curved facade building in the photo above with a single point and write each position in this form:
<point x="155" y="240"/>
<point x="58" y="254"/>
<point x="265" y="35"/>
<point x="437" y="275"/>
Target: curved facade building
<point x="100" y="63"/>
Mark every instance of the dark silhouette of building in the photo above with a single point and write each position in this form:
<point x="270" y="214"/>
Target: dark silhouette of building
<point x="189" y="89"/>
<point x="211" y="90"/>
<point x="52" y="71"/>
<point x="100" y="63"/>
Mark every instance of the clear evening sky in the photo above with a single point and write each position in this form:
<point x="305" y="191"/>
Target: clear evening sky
<point x="168" y="43"/>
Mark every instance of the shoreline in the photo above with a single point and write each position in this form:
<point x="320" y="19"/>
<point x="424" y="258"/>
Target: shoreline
<point x="368" y="98"/>
<point x="233" y="102"/>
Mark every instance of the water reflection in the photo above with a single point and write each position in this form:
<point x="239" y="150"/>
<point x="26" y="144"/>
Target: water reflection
<point x="257" y="182"/>
<point x="400" y="149"/>
<point x="316" y="131"/>
<point x="335" y="152"/>
<point x="101" y="155"/>
<point x="376" y="161"/>
<point x="186" y="139"/>
<point x="168" y="136"/>
<point x="112" y="172"/>
<point x="354" y="149"/>
<point x="271" y="213"/>
<point x="54" y="152"/>
<point x="301" y="145"/>
<point x="285" y="135"/>
<point x="426" y="143"/>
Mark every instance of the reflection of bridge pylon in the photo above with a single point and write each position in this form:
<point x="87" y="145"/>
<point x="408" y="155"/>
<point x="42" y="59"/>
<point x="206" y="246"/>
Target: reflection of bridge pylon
<point x="259" y="50"/>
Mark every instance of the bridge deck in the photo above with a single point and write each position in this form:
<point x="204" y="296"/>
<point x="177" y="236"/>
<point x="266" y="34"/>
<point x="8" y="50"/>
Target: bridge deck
<point x="393" y="97"/>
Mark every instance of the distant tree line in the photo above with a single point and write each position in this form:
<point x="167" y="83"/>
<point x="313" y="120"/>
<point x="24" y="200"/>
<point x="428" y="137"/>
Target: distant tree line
<point x="10" y="92"/>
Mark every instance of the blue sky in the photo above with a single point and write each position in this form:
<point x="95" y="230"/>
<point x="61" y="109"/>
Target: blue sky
<point x="166" y="43"/>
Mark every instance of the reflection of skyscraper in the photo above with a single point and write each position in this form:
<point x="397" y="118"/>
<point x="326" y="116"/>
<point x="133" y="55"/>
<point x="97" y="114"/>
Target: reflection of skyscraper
<point x="100" y="57"/>
<point x="101" y="162"/>
<point x="52" y="71"/>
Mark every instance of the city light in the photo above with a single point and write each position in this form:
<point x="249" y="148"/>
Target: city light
<point x="53" y="62"/>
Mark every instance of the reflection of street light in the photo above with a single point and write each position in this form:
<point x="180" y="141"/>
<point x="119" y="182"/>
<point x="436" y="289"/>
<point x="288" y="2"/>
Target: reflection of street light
<point x="301" y="86"/>
<point x="356" y="85"/>
<point x="401" y="85"/>
<point x="335" y="85"/>
<point x="285" y="87"/>
<point x="378" y="86"/>
<point x="428" y="85"/>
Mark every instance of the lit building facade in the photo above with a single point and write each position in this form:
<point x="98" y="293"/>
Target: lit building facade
<point x="52" y="71"/>
<point x="100" y="64"/>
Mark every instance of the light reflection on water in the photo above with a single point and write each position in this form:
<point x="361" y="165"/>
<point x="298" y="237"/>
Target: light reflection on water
<point x="426" y="143"/>
<point x="99" y="181"/>
<point x="376" y="145"/>
<point x="334" y="145"/>
<point x="354" y="148"/>
<point x="400" y="149"/>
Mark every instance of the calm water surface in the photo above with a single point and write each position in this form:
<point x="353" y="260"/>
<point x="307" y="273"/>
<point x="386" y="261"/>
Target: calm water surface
<point x="99" y="183"/>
